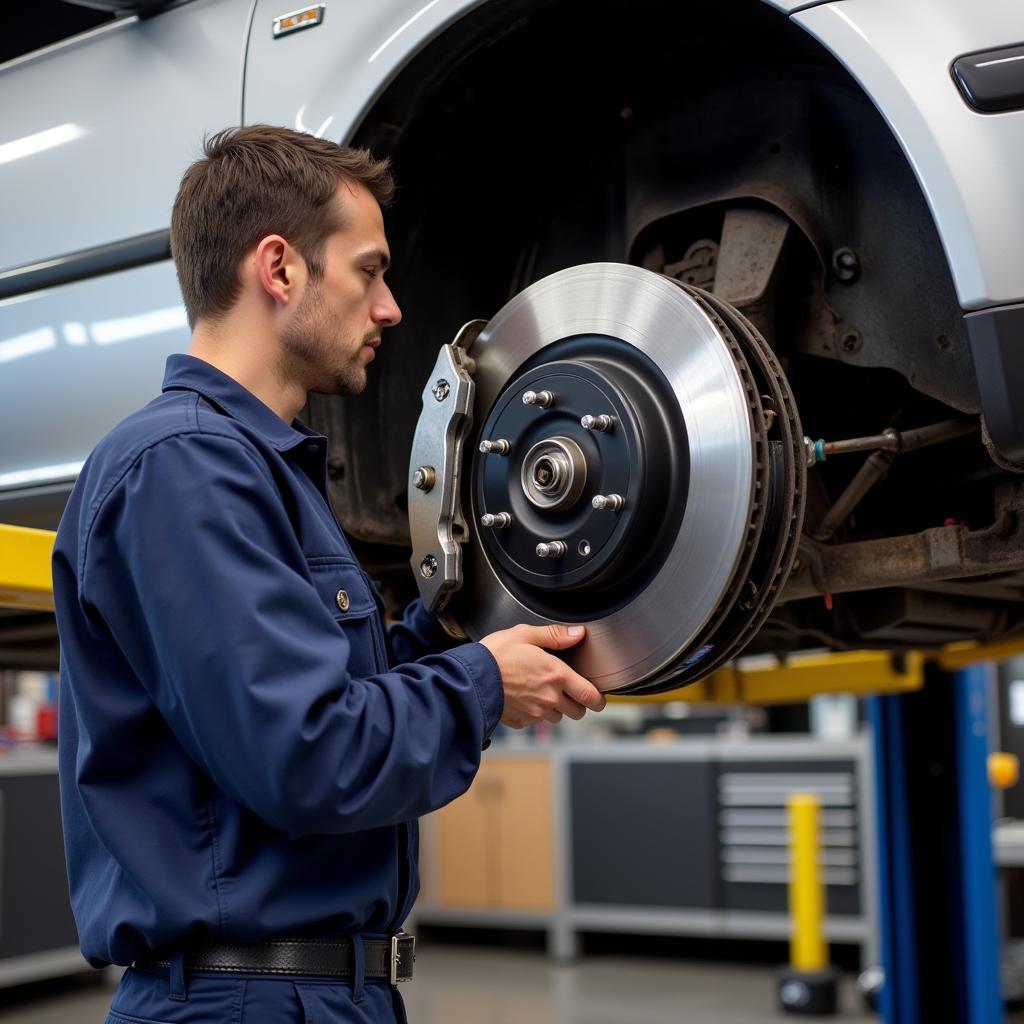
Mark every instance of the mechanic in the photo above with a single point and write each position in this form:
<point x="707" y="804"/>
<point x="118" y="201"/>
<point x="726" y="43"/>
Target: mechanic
<point x="244" y="748"/>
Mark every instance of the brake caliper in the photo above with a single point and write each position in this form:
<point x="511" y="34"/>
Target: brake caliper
<point x="436" y="522"/>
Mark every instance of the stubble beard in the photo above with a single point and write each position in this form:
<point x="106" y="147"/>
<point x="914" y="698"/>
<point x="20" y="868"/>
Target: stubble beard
<point x="315" y="354"/>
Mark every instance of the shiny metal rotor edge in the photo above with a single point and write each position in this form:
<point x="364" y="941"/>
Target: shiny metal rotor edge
<point x="651" y="313"/>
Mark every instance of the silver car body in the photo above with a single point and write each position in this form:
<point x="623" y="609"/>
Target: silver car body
<point x="97" y="130"/>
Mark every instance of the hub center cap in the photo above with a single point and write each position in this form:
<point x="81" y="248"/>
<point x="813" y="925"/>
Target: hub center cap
<point x="554" y="473"/>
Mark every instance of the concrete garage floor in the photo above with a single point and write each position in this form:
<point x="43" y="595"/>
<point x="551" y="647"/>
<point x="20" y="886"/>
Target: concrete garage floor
<point x="457" y="986"/>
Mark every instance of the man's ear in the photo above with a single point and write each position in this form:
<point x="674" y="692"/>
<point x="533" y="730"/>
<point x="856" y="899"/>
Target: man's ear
<point x="280" y="270"/>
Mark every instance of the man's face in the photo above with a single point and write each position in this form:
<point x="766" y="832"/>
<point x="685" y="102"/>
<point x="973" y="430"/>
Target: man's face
<point x="337" y="326"/>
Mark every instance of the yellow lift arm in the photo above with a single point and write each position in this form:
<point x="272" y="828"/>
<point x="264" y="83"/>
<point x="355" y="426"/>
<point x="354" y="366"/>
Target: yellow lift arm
<point x="25" y="582"/>
<point x="766" y="680"/>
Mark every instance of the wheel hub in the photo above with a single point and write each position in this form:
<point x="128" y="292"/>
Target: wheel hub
<point x="626" y="457"/>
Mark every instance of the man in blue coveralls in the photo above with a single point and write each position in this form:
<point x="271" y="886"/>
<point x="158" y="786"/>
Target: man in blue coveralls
<point x="244" y="748"/>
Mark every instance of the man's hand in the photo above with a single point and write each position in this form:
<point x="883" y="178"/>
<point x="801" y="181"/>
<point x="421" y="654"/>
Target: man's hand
<point x="538" y="686"/>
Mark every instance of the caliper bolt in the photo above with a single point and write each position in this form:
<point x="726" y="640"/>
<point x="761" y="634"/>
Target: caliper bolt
<point x="442" y="389"/>
<point x="499" y="447"/>
<point x="602" y="423"/>
<point x="608" y="502"/>
<point x="428" y="567"/>
<point x="496" y="520"/>
<point x="541" y="398"/>
<point x="424" y="478"/>
<point x="553" y="549"/>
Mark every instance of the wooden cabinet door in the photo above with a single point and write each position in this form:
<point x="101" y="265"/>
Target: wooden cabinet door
<point x="466" y="876"/>
<point x="523" y="846"/>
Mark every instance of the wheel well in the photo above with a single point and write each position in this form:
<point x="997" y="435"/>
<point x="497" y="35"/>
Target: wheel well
<point x="534" y="135"/>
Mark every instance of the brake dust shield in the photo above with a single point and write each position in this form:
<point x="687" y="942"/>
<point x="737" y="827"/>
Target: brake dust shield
<point x="616" y="449"/>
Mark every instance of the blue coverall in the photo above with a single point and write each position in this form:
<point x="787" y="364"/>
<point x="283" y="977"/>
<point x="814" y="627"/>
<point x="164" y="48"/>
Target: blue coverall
<point x="240" y="755"/>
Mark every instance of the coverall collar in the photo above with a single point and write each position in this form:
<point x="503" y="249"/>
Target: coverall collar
<point x="190" y="373"/>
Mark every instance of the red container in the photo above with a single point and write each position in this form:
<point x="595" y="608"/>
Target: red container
<point x="46" y="722"/>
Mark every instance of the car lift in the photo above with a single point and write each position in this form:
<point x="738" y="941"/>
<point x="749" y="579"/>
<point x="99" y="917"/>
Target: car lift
<point x="938" y="915"/>
<point x="928" y="712"/>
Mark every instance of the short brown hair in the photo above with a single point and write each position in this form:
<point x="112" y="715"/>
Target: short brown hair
<point x="255" y="181"/>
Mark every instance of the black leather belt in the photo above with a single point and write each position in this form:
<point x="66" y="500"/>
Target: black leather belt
<point x="391" y="959"/>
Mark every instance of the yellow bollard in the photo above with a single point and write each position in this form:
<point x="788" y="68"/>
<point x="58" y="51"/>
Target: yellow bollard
<point x="806" y="893"/>
<point x="809" y="985"/>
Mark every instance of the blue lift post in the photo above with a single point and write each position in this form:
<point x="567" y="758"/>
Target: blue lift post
<point x="937" y="877"/>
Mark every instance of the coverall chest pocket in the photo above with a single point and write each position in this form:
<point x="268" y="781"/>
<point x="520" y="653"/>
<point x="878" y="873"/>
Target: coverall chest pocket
<point x="346" y="594"/>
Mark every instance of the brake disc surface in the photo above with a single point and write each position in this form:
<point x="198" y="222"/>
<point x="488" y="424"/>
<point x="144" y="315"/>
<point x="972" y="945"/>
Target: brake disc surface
<point x="641" y="473"/>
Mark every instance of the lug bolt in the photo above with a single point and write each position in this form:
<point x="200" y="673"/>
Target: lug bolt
<point x="553" y="549"/>
<point x="441" y="389"/>
<point x="496" y="520"/>
<point x="607" y="502"/>
<point x="541" y="398"/>
<point x="428" y="567"/>
<point x="602" y="423"/>
<point x="424" y="477"/>
<point x="499" y="447"/>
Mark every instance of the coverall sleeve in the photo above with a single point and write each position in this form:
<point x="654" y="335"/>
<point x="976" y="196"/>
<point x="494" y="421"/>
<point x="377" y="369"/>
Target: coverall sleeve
<point x="193" y="565"/>
<point x="418" y="633"/>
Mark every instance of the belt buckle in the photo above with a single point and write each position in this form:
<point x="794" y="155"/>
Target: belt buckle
<point x="403" y="956"/>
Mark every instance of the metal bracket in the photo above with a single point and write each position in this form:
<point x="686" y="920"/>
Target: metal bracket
<point x="436" y="522"/>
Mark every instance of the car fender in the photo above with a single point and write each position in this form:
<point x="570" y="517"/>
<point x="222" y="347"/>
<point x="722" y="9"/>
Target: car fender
<point x="324" y="81"/>
<point x="900" y="53"/>
<point x="966" y="162"/>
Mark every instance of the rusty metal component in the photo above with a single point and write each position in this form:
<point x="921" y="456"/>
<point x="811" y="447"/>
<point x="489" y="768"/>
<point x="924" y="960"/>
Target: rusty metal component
<point x="994" y="454"/>
<point x="698" y="265"/>
<point x="888" y="440"/>
<point x="749" y="256"/>
<point x="904" y="441"/>
<point x="940" y="553"/>
<point x="898" y="616"/>
<point x="875" y="467"/>
<point x="889" y="443"/>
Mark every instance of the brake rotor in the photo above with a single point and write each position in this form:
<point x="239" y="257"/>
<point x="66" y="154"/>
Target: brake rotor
<point x="619" y="450"/>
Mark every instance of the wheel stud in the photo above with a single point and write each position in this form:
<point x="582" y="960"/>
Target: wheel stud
<point x="541" y="398"/>
<point x="499" y="447"/>
<point x="602" y="423"/>
<point x="496" y="520"/>
<point x="607" y="502"/>
<point x="552" y="549"/>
